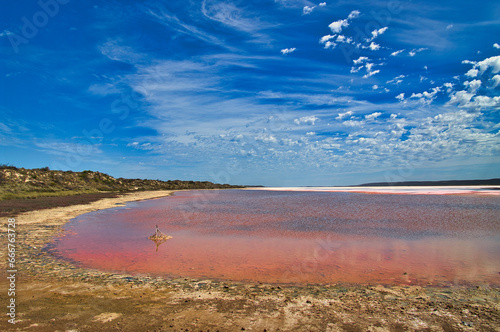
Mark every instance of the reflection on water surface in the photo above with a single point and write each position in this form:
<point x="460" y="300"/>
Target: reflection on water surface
<point x="296" y="237"/>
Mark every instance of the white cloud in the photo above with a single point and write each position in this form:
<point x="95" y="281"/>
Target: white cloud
<point x="496" y="45"/>
<point x="373" y="116"/>
<point x="354" y="14"/>
<point x="360" y="60"/>
<point x="460" y="98"/>
<point x="326" y="38"/>
<point x="496" y="81"/>
<point x="415" y="51"/>
<point x="485" y="101"/>
<point x="396" y="80"/>
<point x="493" y="63"/>
<point x="371" y="73"/>
<point x="449" y="87"/>
<point x="330" y="44"/>
<point x="449" y="27"/>
<point x="343" y="39"/>
<point x="374" y="47"/>
<point x="473" y="86"/>
<point x="377" y="32"/>
<point x="311" y="120"/>
<point x="369" y="70"/>
<point x="397" y="52"/>
<point x="341" y="116"/>
<point x="234" y="17"/>
<point x="266" y="138"/>
<point x="472" y="73"/>
<point x="356" y="69"/>
<point x="401" y="96"/>
<point x="6" y="33"/>
<point x="327" y="41"/>
<point x="323" y="4"/>
<point x="375" y="87"/>
<point x="426" y="97"/>
<point x="307" y="10"/>
<point x="286" y="51"/>
<point x="337" y="26"/>
<point x="352" y="123"/>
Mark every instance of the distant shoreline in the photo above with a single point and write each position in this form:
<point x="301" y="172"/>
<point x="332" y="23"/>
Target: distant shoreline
<point x="488" y="182"/>
<point x="409" y="190"/>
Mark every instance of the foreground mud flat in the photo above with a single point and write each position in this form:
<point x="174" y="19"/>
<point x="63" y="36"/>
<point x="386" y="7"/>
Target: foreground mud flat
<point x="53" y="295"/>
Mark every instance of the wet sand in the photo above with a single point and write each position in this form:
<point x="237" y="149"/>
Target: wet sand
<point x="53" y="295"/>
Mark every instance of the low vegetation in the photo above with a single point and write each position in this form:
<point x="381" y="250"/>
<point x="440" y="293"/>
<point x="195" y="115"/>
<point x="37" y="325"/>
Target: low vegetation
<point x="21" y="183"/>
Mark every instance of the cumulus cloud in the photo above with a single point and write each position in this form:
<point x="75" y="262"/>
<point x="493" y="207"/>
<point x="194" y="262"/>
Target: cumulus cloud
<point x="360" y="60"/>
<point x="354" y="14"/>
<point x="472" y="73"/>
<point x="460" y="98"/>
<point x="307" y="10"/>
<point x="323" y="4"/>
<point x="342" y="116"/>
<point x="286" y="51"/>
<point x="493" y="63"/>
<point x="344" y="39"/>
<point x="374" y="47"/>
<point x="311" y="120"/>
<point x="400" y="97"/>
<point x="496" y="81"/>
<point x="449" y="87"/>
<point x="373" y="116"/>
<point x="496" y="45"/>
<point x="327" y="40"/>
<point x="426" y="97"/>
<point x="483" y="72"/>
<point x="473" y="86"/>
<point x="485" y="101"/>
<point x="337" y="26"/>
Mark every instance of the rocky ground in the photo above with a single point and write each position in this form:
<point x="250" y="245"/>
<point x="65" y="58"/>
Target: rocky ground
<point x="53" y="295"/>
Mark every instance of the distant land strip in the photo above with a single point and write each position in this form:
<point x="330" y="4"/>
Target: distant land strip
<point x="489" y="182"/>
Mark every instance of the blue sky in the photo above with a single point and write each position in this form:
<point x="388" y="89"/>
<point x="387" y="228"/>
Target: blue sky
<point x="271" y="92"/>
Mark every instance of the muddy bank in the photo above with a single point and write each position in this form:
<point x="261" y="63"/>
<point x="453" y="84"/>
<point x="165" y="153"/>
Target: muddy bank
<point x="53" y="295"/>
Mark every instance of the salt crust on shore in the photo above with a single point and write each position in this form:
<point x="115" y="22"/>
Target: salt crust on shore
<point x="64" y="214"/>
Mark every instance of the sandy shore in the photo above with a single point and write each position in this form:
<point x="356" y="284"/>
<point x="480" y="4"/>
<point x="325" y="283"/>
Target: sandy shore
<point x="53" y="295"/>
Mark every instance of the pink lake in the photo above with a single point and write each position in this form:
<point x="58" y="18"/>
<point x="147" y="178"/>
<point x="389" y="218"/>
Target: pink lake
<point x="295" y="237"/>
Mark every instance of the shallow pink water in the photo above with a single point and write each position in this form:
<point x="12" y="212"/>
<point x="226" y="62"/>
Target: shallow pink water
<point x="290" y="237"/>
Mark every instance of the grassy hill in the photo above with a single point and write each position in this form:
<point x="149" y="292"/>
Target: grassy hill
<point x="18" y="183"/>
